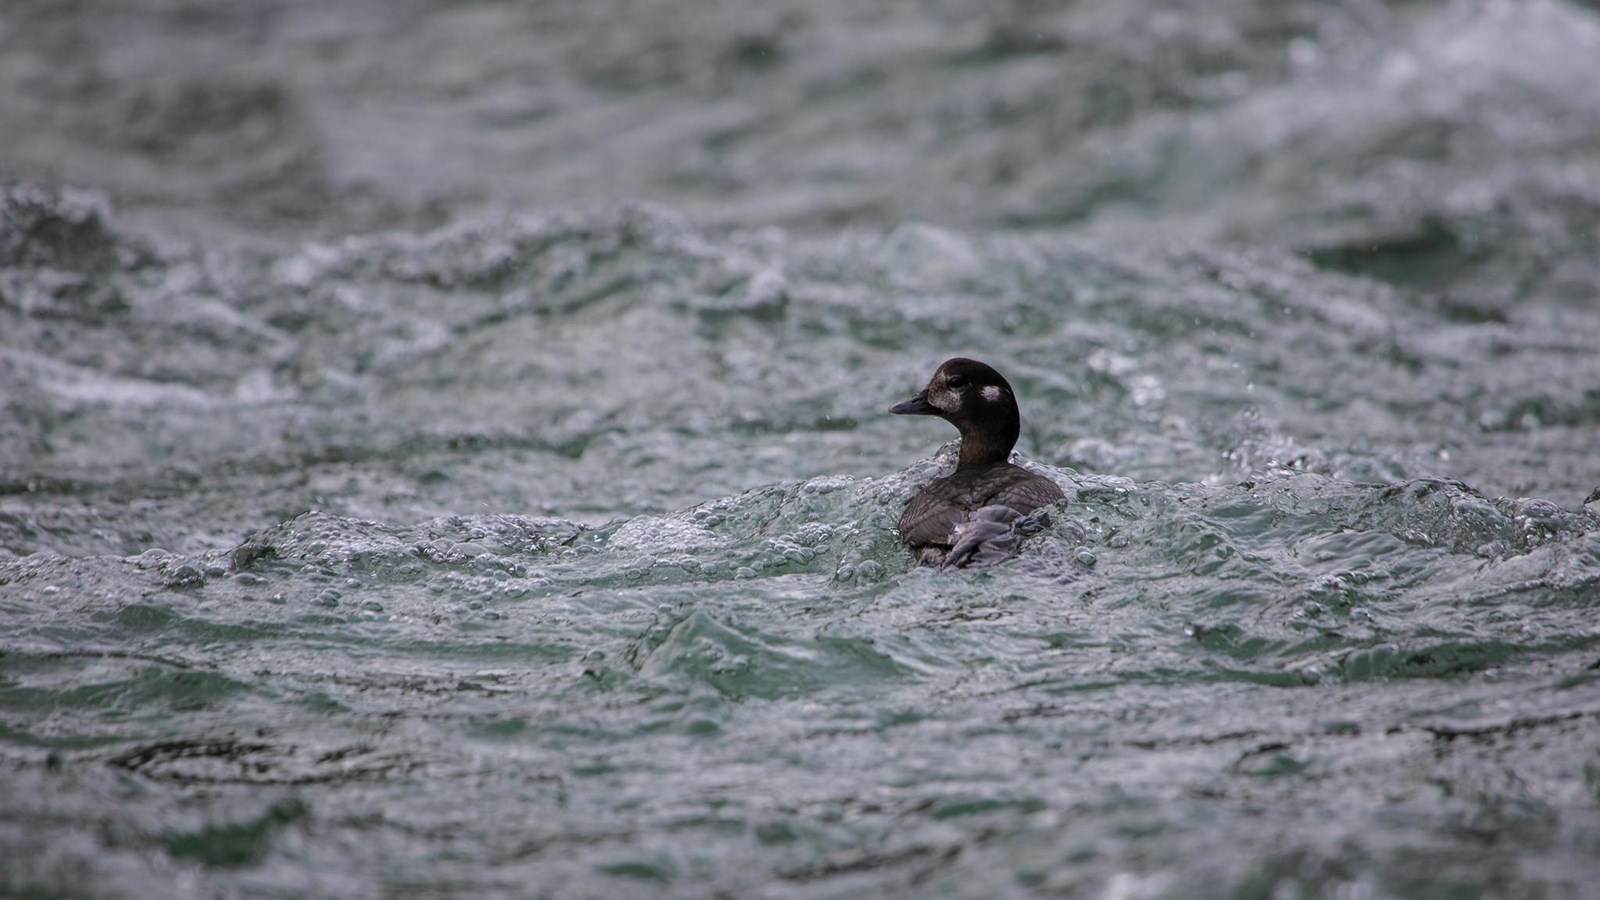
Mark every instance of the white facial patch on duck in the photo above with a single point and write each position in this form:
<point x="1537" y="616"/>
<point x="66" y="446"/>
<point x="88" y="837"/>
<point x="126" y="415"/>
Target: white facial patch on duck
<point x="991" y="393"/>
<point x="945" y="400"/>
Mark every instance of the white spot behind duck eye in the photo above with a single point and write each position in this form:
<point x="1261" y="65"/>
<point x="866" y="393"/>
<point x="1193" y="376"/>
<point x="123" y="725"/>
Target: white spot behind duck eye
<point x="991" y="393"/>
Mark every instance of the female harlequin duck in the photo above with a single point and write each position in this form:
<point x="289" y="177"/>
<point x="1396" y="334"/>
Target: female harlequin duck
<point x="965" y="518"/>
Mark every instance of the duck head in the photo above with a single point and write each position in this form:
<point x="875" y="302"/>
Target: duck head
<point x="977" y="400"/>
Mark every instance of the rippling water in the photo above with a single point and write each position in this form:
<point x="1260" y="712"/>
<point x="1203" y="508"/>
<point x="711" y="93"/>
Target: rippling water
<point x="552" y="554"/>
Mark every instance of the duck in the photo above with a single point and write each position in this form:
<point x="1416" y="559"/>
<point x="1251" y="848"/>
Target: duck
<point x="966" y="518"/>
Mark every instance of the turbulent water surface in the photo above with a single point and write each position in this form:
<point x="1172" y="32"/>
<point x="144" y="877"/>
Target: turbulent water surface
<point x="444" y="450"/>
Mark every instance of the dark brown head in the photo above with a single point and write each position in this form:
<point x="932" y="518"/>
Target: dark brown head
<point x="978" y="401"/>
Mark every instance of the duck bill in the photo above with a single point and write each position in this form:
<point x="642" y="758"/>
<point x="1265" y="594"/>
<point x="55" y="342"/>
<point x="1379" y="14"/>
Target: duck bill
<point x="916" y="406"/>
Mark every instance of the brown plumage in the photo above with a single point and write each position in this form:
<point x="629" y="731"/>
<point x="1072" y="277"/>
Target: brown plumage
<point x="965" y="517"/>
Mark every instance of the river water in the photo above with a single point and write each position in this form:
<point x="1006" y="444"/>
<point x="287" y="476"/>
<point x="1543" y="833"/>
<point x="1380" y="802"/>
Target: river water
<point x="445" y="450"/>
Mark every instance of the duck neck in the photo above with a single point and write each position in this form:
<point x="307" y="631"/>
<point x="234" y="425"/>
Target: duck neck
<point x="987" y="448"/>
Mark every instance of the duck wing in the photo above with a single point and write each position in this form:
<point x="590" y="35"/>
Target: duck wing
<point x="1026" y="494"/>
<point x="931" y="517"/>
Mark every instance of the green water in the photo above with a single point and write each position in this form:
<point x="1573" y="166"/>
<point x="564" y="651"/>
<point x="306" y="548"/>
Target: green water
<point x="393" y="506"/>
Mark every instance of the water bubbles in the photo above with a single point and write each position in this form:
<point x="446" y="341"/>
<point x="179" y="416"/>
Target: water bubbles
<point x="1304" y="53"/>
<point x="183" y="576"/>
<point x="174" y="570"/>
<point x="640" y="568"/>
<point x="153" y="558"/>
<point x="732" y="665"/>
<point x="707" y="517"/>
<point x="1537" y="519"/>
<point x="859" y="568"/>
<point x="812" y="534"/>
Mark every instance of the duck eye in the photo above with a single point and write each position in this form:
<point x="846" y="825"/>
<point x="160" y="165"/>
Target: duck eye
<point x="956" y="381"/>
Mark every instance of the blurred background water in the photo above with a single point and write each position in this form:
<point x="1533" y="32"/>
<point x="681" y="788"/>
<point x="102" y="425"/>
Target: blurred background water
<point x="444" y="449"/>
